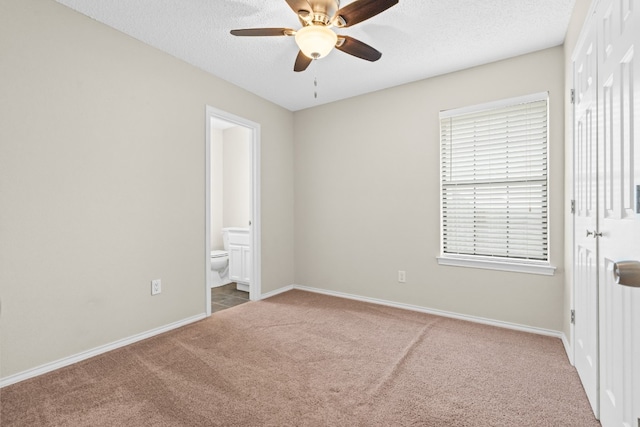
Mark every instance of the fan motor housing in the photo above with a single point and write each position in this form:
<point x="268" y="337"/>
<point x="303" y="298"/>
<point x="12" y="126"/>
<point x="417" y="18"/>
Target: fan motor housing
<point x="323" y="12"/>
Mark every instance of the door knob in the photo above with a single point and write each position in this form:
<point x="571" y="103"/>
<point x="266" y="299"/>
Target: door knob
<point x="627" y="273"/>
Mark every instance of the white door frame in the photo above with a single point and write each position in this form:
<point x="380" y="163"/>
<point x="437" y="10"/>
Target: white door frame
<point x="255" y="284"/>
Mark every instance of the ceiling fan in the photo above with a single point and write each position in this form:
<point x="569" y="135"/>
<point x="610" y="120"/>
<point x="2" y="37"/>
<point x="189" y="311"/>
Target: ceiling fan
<point x="316" y="38"/>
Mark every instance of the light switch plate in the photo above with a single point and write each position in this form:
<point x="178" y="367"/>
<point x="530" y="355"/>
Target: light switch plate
<point x="402" y="276"/>
<point x="156" y="287"/>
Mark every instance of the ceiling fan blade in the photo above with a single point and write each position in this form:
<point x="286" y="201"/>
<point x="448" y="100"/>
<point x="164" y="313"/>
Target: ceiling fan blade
<point x="302" y="62"/>
<point x="361" y="10"/>
<point x="298" y="5"/>
<point x="358" y="49"/>
<point x="252" y="32"/>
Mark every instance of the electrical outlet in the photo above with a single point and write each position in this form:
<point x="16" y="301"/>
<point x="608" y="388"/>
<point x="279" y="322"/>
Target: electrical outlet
<point x="156" y="287"/>
<point x="402" y="276"/>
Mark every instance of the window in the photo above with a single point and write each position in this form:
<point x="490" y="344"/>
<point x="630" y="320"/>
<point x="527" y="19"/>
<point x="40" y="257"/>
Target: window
<point x="494" y="185"/>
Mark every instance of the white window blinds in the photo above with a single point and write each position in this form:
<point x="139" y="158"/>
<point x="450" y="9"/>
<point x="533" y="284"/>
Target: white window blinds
<point x="494" y="180"/>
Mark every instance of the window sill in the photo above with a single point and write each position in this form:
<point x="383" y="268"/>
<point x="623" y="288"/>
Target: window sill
<point x="491" y="264"/>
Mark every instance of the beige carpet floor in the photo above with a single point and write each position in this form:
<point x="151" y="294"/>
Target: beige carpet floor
<point x="304" y="359"/>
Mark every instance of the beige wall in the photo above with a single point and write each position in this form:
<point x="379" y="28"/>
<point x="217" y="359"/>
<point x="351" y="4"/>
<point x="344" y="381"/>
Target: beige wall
<point x="367" y="195"/>
<point x="580" y="12"/>
<point x="230" y="180"/>
<point x="217" y="188"/>
<point x="102" y="180"/>
<point x="237" y="177"/>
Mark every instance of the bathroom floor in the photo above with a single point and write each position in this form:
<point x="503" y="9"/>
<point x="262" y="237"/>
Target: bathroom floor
<point x="227" y="296"/>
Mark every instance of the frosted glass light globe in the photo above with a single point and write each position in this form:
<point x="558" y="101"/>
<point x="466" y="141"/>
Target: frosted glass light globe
<point x="316" y="41"/>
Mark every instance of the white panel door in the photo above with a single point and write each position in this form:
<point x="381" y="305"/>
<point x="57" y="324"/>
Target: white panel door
<point x="619" y="222"/>
<point x="585" y="219"/>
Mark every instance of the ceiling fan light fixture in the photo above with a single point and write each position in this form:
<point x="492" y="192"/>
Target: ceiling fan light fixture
<point x="316" y="41"/>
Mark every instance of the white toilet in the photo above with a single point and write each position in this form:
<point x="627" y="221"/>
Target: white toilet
<point x="220" y="264"/>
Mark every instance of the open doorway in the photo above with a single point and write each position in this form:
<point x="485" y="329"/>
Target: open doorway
<point x="232" y="220"/>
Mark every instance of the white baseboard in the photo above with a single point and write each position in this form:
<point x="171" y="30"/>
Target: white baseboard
<point x="61" y="363"/>
<point x="567" y="348"/>
<point x="276" y="292"/>
<point x="475" y="319"/>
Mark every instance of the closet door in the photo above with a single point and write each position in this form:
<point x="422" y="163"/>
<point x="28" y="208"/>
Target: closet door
<point x="585" y="219"/>
<point x="619" y="219"/>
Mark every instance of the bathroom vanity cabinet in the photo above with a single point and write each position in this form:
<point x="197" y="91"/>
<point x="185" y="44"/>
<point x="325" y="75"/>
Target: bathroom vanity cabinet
<point x="240" y="257"/>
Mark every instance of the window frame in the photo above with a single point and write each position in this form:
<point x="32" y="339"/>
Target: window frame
<point x="519" y="265"/>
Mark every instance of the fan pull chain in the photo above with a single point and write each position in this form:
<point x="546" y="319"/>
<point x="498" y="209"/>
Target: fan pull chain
<point x="315" y="84"/>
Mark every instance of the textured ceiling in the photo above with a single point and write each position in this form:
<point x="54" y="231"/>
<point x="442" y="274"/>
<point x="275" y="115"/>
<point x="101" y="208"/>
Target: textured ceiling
<point x="417" y="38"/>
